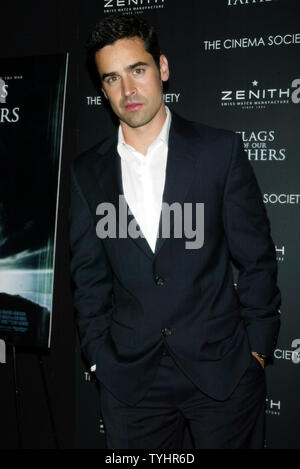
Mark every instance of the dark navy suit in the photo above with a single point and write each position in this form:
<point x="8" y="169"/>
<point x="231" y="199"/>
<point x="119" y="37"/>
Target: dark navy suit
<point x="132" y="302"/>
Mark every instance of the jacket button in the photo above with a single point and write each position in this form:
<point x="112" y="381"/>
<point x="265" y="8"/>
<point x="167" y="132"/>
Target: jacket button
<point x="159" y="281"/>
<point x="165" y="332"/>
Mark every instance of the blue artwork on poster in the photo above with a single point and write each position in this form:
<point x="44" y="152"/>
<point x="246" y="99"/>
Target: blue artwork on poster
<point x="32" y="95"/>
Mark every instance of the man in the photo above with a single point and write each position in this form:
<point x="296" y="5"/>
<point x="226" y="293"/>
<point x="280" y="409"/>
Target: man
<point x="171" y="340"/>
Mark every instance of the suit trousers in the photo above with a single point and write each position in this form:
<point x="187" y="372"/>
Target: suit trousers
<point x="158" y="421"/>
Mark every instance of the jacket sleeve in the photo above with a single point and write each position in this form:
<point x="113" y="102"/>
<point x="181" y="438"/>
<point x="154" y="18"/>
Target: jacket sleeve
<point x="247" y="230"/>
<point x="91" y="274"/>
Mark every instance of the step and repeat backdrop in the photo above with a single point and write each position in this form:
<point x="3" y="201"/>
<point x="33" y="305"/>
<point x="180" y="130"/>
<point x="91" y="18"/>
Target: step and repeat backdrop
<point x="234" y="64"/>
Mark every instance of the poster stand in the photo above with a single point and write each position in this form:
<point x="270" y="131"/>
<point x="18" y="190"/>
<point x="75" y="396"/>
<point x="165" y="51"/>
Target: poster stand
<point x="48" y="400"/>
<point x="18" y="399"/>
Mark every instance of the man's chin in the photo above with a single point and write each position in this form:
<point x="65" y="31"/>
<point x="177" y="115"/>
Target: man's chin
<point x="135" y="121"/>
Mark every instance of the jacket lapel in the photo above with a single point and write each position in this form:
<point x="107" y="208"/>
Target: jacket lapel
<point x="180" y="169"/>
<point x="109" y="175"/>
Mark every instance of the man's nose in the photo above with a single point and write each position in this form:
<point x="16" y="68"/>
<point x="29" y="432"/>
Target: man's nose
<point x="128" y="86"/>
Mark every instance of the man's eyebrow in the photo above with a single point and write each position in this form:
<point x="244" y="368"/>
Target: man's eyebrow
<point x="137" y="64"/>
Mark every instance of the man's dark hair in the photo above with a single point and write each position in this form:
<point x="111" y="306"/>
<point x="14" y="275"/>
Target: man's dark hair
<point x="115" y="27"/>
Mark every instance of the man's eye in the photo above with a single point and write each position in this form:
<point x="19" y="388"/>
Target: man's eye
<point x="111" y="80"/>
<point x="139" y="71"/>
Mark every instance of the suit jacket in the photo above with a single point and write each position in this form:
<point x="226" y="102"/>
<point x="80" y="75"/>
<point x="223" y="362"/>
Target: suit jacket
<point x="130" y="301"/>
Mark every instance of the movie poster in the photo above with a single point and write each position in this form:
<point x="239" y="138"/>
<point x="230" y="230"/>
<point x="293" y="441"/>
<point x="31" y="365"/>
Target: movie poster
<point x="32" y="96"/>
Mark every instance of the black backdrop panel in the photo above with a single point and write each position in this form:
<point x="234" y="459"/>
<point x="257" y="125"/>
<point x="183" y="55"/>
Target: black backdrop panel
<point x="50" y="28"/>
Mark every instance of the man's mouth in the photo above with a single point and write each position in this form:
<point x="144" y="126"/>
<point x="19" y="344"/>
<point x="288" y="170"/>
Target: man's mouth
<point x="133" y="106"/>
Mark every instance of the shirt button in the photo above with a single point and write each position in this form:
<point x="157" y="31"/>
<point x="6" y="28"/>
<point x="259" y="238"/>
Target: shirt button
<point x="159" y="281"/>
<point x="165" y="332"/>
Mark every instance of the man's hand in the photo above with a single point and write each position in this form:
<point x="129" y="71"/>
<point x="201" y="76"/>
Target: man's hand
<point x="260" y="359"/>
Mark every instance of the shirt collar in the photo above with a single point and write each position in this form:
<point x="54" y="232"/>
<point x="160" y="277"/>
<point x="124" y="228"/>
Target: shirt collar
<point x="163" y="135"/>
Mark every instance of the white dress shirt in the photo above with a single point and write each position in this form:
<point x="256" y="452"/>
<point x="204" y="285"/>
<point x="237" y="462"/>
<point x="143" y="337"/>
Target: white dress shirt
<point x="143" y="179"/>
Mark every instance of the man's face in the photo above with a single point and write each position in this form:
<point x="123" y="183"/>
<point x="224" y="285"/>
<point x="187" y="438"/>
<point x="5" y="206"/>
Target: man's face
<point x="131" y="81"/>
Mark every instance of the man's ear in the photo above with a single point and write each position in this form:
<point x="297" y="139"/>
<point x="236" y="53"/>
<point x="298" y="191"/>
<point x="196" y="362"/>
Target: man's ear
<point x="104" y="92"/>
<point x="164" y="68"/>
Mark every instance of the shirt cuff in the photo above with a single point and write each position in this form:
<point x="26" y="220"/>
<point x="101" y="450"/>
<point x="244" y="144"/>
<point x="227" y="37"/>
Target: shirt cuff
<point x="93" y="368"/>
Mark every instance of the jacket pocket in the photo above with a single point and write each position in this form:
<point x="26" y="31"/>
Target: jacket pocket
<point x="122" y="334"/>
<point x="220" y="328"/>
